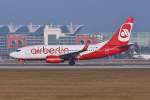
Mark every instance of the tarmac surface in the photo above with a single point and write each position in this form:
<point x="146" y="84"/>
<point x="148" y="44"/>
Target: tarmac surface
<point x="73" y="67"/>
<point x="89" y="64"/>
<point x="100" y="65"/>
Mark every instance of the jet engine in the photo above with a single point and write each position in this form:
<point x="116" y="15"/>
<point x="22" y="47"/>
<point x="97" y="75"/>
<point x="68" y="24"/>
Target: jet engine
<point x="54" y="59"/>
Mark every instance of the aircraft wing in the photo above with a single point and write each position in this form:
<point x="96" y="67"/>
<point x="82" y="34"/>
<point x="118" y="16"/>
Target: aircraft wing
<point x="73" y="55"/>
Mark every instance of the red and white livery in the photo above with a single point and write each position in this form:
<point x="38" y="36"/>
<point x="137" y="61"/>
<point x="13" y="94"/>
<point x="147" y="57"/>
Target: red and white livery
<point x="61" y="53"/>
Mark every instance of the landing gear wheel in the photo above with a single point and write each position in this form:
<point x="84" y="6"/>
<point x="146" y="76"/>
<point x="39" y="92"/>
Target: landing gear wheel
<point x="72" y="62"/>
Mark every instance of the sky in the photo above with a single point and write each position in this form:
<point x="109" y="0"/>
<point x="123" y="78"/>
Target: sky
<point x="96" y="15"/>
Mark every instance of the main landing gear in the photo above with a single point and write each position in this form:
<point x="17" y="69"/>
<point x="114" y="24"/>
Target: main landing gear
<point x="72" y="62"/>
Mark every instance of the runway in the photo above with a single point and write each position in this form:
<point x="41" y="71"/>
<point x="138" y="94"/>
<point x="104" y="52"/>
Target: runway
<point x="91" y="64"/>
<point x="65" y="66"/>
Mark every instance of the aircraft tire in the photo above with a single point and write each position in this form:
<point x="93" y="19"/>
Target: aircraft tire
<point x="72" y="62"/>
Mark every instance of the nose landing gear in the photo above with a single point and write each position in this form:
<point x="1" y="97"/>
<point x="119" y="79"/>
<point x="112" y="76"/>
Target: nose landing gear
<point x="21" y="61"/>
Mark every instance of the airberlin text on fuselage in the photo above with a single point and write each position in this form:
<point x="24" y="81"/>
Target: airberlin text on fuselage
<point x="44" y="50"/>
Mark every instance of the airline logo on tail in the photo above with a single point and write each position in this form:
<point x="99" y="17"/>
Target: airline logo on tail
<point x="125" y="31"/>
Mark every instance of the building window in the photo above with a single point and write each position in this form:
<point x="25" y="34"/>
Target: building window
<point x="81" y="42"/>
<point x="20" y="43"/>
<point x="13" y="43"/>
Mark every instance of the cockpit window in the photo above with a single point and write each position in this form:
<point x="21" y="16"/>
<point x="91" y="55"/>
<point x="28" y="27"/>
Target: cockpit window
<point x="18" y="50"/>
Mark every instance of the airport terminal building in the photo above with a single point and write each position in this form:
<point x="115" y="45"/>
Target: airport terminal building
<point x="13" y="37"/>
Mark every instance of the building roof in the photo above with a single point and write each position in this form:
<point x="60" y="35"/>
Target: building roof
<point x="28" y="29"/>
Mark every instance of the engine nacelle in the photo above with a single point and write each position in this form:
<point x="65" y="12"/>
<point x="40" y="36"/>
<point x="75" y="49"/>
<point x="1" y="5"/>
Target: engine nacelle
<point x="54" y="59"/>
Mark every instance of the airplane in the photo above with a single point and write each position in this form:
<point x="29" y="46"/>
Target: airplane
<point x="141" y="56"/>
<point x="60" y="53"/>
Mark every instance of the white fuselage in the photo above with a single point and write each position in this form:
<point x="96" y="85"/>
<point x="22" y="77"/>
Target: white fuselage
<point x="42" y="51"/>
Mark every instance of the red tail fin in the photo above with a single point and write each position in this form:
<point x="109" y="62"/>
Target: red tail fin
<point x="122" y="36"/>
